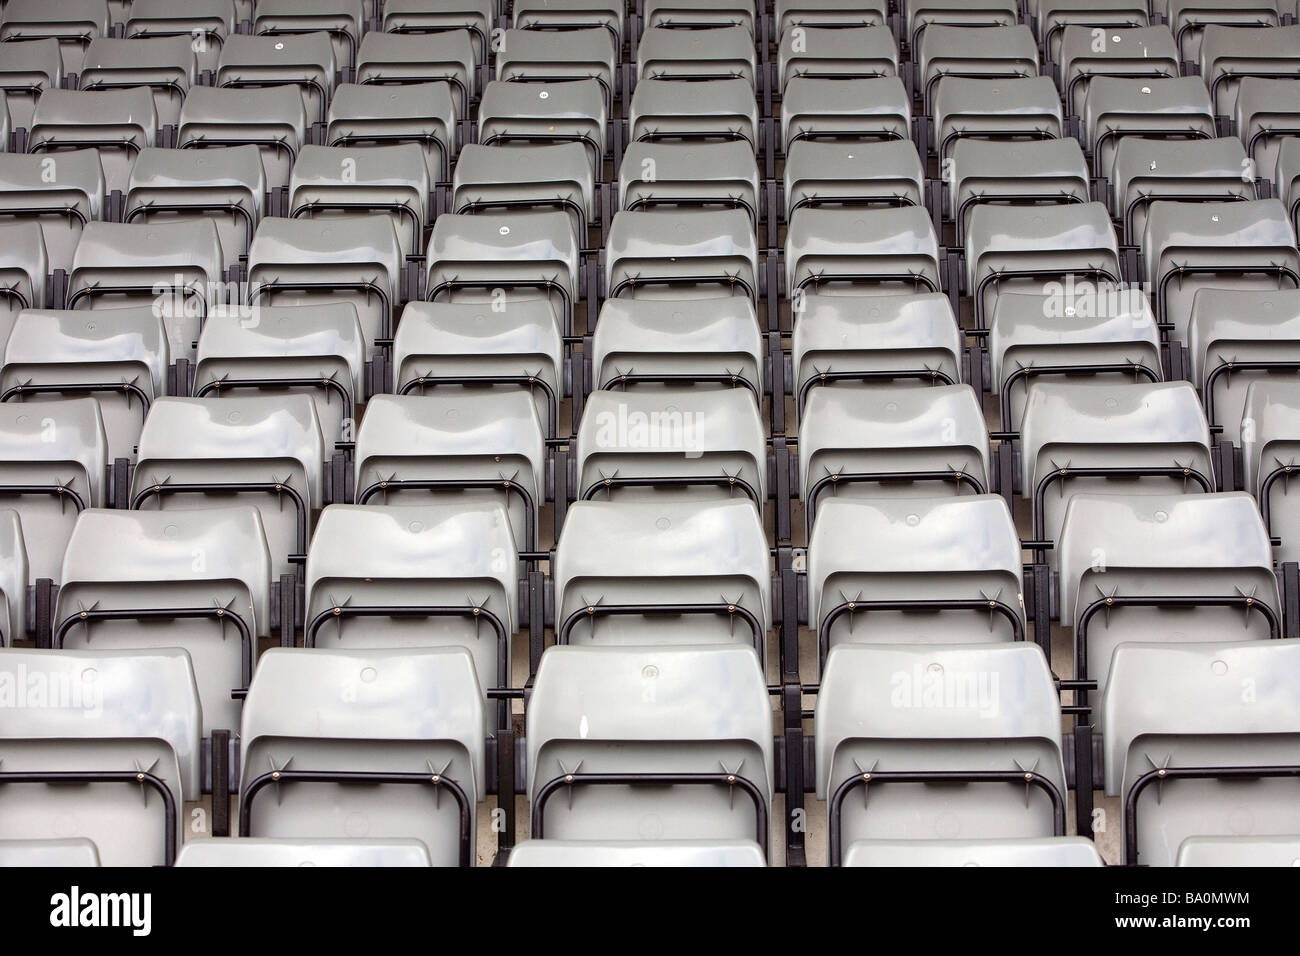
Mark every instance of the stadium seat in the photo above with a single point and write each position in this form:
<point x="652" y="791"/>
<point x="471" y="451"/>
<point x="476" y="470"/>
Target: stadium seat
<point x="406" y="722"/>
<point x="431" y="17"/>
<point x="444" y="446"/>
<point x="1229" y="54"/>
<point x="421" y="113"/>
<point x="304" y="61"/>
<point x="1136" y="53"/>
<point x="1053" y="18"/>
<point x="905" y="722"/>
<point x="571" y="111"/>
<point x="62" y="193"/>
<point x="916" y="584"/>
<point x="343" y="20"/>
<point x="399" y="59"/>
<point x="208" y="23"/>
<point x="225" y="185"/>
<point x="1235" y="245"/>
<point x="73" y="24"/>
<point x="1206" y="851"/>
<point x="340" y="852"/>
<point x="167" y="65"/>
<point x="76" y="851"/>
<point x="313" y="262"/>
<point x="505" y="179"/>
<point x="820" y="174"/>
<point x="717" y="110"/>
<point x="1003" y="52"/>
<point x="1118" y="106"/>
<point x="1270" y="435"/>
<point x="835" y="52"/>
<point x="662" y="254"/>
<point x="1147" y="438"/>
<point x="698" y="14"/>
<point x="1025" y="851"/>
<point x="712" y="53"/>
<point x="1189" y="19"/>
<point x="196" y="453"/>
<point x="861" y="251"/>
<point x="453" y="346"/>
<point x="272" y="119"/>
<point x="317" y="350"/>
<point x="1018" y="109"/>
<point x="662" y="572"/>
<point x="136" y="765"/>
<point x="1267" y="115"/>
<point x="1223" y="760"/>
<point x="1045" y="172"/>
<point x="658" y="853"/>
<point x="117" y="123"/>
<point x="554" y="56"/>
<point x="838" y="14"/>
<point x="1174" y="569"/>
<point x="844" y="110"/>
<point x="53" y="466"/>
<point x="636" y="774"/>
<point x="119" y="358"/>
<point x="147" y="581"/>
<point x="29" y="68"/>
<point x="175" y="268"/>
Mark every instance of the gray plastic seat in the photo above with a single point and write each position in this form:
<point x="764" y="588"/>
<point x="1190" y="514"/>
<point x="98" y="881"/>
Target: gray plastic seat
<point x="877" y="338"/>
<point x="343" y="20"/>
<point x="118" y="123"/>
<point x="206" y="22"/>
<point x="305" y="61"/>
<point x="602" y="714"/>
<point x="1237" y="337"/>
<point x="657" y="853"/>
<point x="407" y="722"/>
<point x="317" y="350"/>
<point x="1022" y="852"/>
<point x="431" y="17"/>
<point x="167" y="65"/>
<point x="226" y="185"/>
<point x="1054" y="17"/>
<point x="1025" y="248"/>
<point x="1149" y="170"/>
<point x="458" y="347"/>
<point x="1100" y="437"/>
<point x="662" y="572"/>
<point x="62" y="193"/>
<point x="1117" y="107"/>
<point x="1233" y="245"/>
<point x="840" y="14"/>
<point x="340" y="852"/>
<point x="1189" y="738"/>
<point x="922" y="14"/>
<point x="336" y="183"/>
<point x="74" y="23"/>
<point x="195" y="454"/>
<point x="905" y="722"/>
<point x="891" y="441"/>
<point x="1138" y="53"/>
<point x="569" y="111"/>
<point x="310" y="262"/>
<point x="422" y="113"/>
<point x="1270" y="440"/>
<point x="689" y="175"/>
<point x="53" y="467"/>
<point x="14" y="580"/>
<point x="24" y="271"/>
<point x="1229" y="54"/>
<point x="1205" y="851"/>
<point x="147" y="581"/>
<point x="566" y="15"/>
<point x="939" y="571"/>
<point x="508" y="178"/>
<point x="698" y="14"/>
<point x="455" y="447"/>
<point x="1267" y="114"/>
<point x="839" y="52"/>
<point x="1004" y="52"/>
<point x="709" y="53"/>
<point x="503" y="258"/>
<point x="888" y="173"/>
<point x="661" y="254"/>
<point x="1174" y="569"/>
<point x="119" y="358"/>
<point x="29" y="68"/>
<point x="448" y="574"/>
<point x="649" y="344"/>
<point x="868" y="109"/>
<point x="856" y="251"/>
<point x="174" y="267"/>
<point x="76" y="851"/>
<point x="671" y="444"/>
<point x="1189" y="19"/>
<point x="715" y="110"/>
<point x="1033" y="172"/>
<point x="272" y="119"/>
<point x="1286" y="177"/>
<point x="549" y="56"/>
<point x="1044" y="337"/>
<point x="401" y="59"/>
<point x="98" y="728"/>
<point x="1028" y="108"/>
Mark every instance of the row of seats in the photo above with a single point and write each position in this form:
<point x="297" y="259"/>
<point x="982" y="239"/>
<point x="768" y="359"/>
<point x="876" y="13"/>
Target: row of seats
<point x="294" y="308"/>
